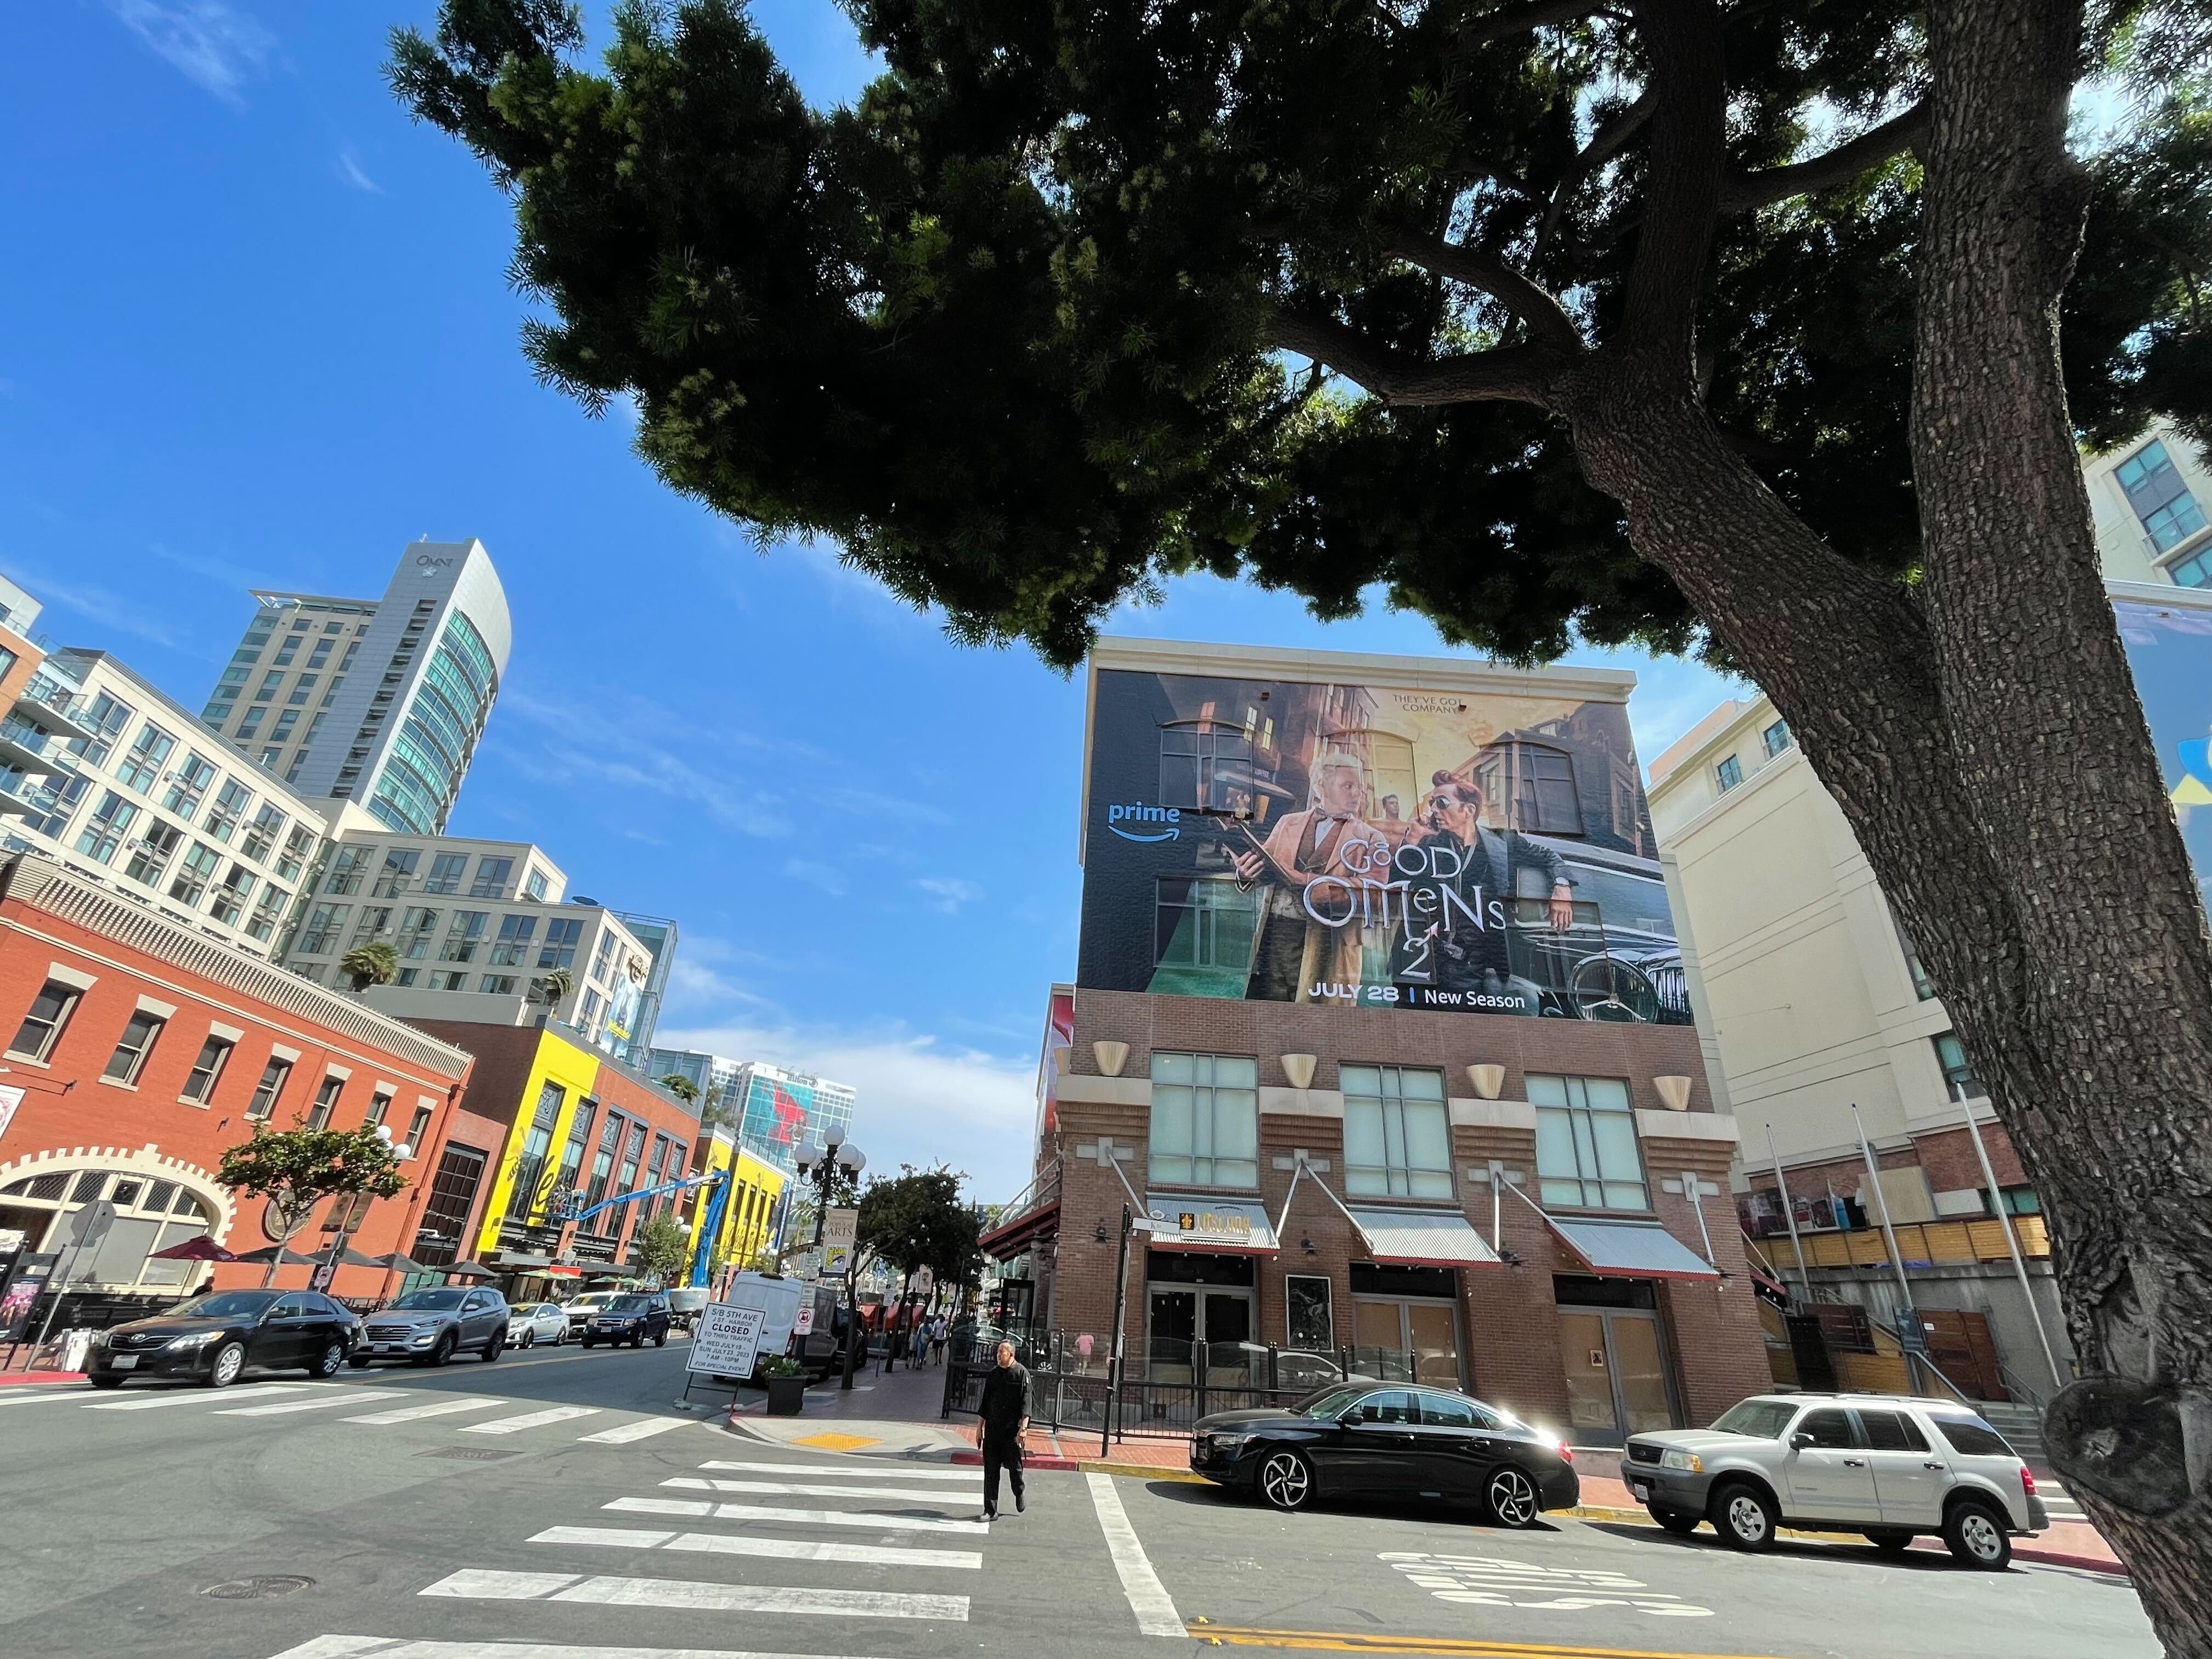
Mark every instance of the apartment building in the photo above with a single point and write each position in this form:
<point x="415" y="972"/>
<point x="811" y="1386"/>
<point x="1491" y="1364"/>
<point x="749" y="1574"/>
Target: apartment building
<point x="103" y="773"/>
<point x="476" y="924"/>
<point x="1378" y="1036"/>
<point x="378" y="702"/>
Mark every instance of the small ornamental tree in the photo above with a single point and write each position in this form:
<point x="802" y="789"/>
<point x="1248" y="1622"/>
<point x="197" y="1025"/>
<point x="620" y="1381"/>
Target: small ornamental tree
<point x="295" y="1170"/>
<point x="661" y="1247"/>
<point x="681" y="1086"/>
<point x="374" y="963"/>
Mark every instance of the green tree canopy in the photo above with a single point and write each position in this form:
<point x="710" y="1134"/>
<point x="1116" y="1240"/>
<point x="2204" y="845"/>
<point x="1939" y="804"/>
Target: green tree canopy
<point x="661" y="1247"/>
<point x="374" y="963"/>
<point x="295" y="1170"/>
<point x="915" y="1219"/>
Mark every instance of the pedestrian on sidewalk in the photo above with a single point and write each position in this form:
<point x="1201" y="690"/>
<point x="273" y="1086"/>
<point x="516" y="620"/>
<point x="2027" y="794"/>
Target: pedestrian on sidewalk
<point x="937" y="1331"/>
<point x="1006" y="1411"/>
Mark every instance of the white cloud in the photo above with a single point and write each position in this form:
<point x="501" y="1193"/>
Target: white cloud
<point x="816" y="875"/>
<point x="98" y="604"/>
<point x="350" y="170"/>
<point x="950" y="892"/>
<point x="213" y="44"/>
<point x="920" y="1100"/>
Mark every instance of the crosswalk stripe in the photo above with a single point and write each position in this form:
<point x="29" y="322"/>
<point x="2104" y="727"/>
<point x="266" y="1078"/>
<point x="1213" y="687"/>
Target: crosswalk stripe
<point x="802" y="1488"/>
<point x="146" y="1402"/>
<point x="440" y="1408"/>
<point x="22" y="1396"/>
<point x="873" y="1521"/>
<point x="895" y="1472"/>
<point x="402" y="1647"/>
<point x="780" y="1549"/>
<point x="1147" y="1597"/>
<point x="644" y="1428"/>
<point x="365" y="1395"/>
<point x="480" y="1584"/>
<point x="531" y="1419"/>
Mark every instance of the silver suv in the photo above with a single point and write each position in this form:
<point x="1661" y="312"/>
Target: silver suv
<point x="1888" y="1467"/>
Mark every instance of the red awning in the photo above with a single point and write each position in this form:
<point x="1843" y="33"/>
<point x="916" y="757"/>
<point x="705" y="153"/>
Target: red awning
<point x="1008" y="1241"/>
<point x="563" y="1272"/>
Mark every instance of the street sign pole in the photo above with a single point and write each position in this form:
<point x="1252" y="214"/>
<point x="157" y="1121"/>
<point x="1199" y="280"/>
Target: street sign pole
<point x="1113" y="1367"/>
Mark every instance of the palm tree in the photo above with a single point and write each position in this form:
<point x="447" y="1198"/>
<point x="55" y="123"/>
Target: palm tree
<point x="375" y="964"/>
<point x="552" y="987"/>
<point x="681" y="1086"/>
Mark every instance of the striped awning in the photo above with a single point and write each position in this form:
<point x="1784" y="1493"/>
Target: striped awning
<point x="1424" y="1238"/>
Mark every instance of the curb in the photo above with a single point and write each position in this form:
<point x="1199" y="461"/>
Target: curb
<point x="17" y="1379"/>
<point x="2041" y="1558"/>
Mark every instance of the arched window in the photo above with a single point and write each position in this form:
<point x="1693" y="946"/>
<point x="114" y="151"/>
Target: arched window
<point x="152" y="1213"/>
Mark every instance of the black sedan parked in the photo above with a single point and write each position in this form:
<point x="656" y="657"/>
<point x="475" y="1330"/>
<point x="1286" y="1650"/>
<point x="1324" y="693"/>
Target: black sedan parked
<point x="1377" y="1440"/>
<point x="213" y="1339"/>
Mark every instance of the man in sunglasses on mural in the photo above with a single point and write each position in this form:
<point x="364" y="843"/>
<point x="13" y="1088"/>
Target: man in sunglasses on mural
<point x="1437" y="945"/>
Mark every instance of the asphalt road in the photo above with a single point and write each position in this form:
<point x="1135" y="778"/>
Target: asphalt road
<point x="558" y="1504"/>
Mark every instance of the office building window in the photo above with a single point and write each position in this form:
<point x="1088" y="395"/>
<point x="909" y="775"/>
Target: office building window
<point x="562" y="934"/>
<point x="1205" y="766"/>
<point x="534" y="886"/>
<point x="130" y="1051"/>
<point x="269" y="681"/>
<point x="1199" y="923"/>
<point x="1777" y="737"/>
<point x="261" y="834"/>
<point x="206" y="1070"/>
<point x="346" y="870"/>
<point x="230" y="804"/>
<point x="299" y="846"/>
<point x="375" y="922"/>
<point x="104" y="830"/>
<point x="448" y="979"/>
<point x="1587" y="1155"/>
<point x="141" y="769"/>
<point x="201" y="861"/>
<point x="497" y="985"/>
<point x="109" y="718"/>
<point x="273" y="1076"/>
<point x="1397" y="1132"/>
<point x="1729" y="773"/>
<point x="1959" y="1077"/>
<point x="444" y="875"/>
<point x="2169" y="513"/>
<point x="513" y="944"/>
<point x="1531" y="786"/>
<point x="604" y="957"/>
<point x="321" y="654"/>
<point x="399" y="866"/>
<point x="417" y="1130"/>
<point x="151" y="852"/>
<point x="462" y="935"/>
<point x="587" y="1008"/>
<point x="251" y="725"/>
<point x="287" y="652"/>
<point x="1206" y="1120"/>
<point x="320" y="936"/>
<point x="281" y="733"/>
<point x="2016" y="1200"/>
<point x="48" y="1017"/>
<point x="268" y="911"/>
<point x="326" y="1100"/>
<point x="1922" y="987"/>
<point x="493" y="875"/>
<point x="415" y="930"/>
<point x="189" y="784"/>
<point x="231" y="894"/>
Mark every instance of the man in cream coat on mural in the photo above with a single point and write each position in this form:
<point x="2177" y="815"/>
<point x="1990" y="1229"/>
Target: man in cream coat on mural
<point x="1328" y="839"/>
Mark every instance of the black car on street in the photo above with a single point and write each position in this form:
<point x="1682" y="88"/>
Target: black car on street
<point x="1382" y="1440"/>
<point x="634" y="1317"/>
<point x="212" y="1338"/>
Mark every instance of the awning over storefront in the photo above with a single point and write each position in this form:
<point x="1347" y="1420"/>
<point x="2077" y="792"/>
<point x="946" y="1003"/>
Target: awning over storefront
<point x="1225" y="1226"/>
<point x="1630" y="1250"/>
<point x="1010" y="1239"/>
<point x="1424" y="1238"/>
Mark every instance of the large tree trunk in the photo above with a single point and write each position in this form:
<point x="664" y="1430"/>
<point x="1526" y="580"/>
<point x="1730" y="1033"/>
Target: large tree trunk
<point x="1981" y="734"/>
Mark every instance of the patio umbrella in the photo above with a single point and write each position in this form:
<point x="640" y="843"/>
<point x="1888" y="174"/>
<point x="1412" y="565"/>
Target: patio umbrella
<point x="402" y="1264"/>
<point x="199" y="1247"/>
<point x="467" y="1270"/>
<point x="279" y="1255"/>
<point x="348" y="1257"/>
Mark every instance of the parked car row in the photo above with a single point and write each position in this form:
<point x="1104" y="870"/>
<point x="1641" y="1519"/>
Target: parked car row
<point x="214" y="1338"/>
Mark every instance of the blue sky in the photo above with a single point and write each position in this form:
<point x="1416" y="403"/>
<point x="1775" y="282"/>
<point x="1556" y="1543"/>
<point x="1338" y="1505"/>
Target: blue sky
<point x="259" y="334"/>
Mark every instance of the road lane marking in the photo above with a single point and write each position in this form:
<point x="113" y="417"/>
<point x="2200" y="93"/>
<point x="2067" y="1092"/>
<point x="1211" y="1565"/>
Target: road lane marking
<point x="900" y="1472"/>
<point x="403" y="1647"/>
<point x="478" y="1584"/>
<point x="148" y="1402"/>
<point x="780" y="1549"/>
<point x="1447" y="1647"/>
<point x="531" y="1419"/>
<point x="1498" y="1582"/>
<point x="802" y="1488"/>
<point x="875" y="1521"/>
<point x="644" y="1428"/>
<point x="361" y="1398"/>
<point x="1148" y="1598"/>
<point x="441" y="1408"/>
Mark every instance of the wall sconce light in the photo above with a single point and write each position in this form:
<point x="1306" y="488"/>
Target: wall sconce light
<point x="1488" y="1080"/>
<point x="1111" y="1057"/>
<point x="1511" y="1260"/>
<point x="1299" y="1068"/>
<point x="1307" y="1245"/>
<point x="1674" y="1091"/>
<point x="1100" y="1233"/>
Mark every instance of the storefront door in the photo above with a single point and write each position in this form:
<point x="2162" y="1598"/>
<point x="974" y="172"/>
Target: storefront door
<point x="1616" y="1371"/>
<point x="1178" y="1316"/>
<point x="1405" y="1325"/>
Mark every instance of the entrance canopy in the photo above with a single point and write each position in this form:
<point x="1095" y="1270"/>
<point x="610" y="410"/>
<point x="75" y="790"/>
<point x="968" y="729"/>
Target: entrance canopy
<point x="1630" y="1250"/>
<point x="1423" y="1238"/>
<point x="1225" y="1226"/>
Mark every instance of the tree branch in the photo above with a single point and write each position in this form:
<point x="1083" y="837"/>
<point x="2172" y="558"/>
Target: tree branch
<point x="1603" y="144"/>
<point x="1505" y="375"/>
<point x="1743" y="190"/>
<point x="1682" y="177"/>
<point x="1519" y="19"/>
<point x="1531" y="302"/>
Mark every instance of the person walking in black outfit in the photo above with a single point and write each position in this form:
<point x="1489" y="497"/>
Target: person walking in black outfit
<point x="1006" y="1411"/>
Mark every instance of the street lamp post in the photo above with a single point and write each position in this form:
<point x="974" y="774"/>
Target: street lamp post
<point x="822" y="1162"/>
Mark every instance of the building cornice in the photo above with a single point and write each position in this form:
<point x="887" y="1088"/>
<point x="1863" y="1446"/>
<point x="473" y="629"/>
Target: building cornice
<point x="1360" y="668"/>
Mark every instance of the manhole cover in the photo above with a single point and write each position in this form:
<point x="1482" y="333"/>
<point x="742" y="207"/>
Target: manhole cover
<point x="258" y="1589"/>
<point x="471" y="1453"/>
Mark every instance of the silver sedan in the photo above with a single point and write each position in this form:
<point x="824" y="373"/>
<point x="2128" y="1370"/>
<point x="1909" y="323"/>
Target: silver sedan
<point x="538" y="1321"/>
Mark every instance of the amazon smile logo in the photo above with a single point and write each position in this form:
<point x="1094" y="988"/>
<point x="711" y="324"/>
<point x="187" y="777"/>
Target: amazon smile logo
<point x="1159" y="821"/>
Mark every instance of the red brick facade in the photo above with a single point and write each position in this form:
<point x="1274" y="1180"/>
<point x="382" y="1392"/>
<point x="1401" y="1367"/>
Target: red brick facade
<point x="117" y="960"/>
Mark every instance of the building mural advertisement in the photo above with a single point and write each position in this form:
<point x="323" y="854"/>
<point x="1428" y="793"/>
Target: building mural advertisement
<point x="2169" y="648"/>
<point x="1373" y="846"/>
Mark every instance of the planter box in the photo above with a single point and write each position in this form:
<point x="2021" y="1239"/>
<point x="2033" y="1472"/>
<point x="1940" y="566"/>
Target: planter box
<point x="786" y="1395"/>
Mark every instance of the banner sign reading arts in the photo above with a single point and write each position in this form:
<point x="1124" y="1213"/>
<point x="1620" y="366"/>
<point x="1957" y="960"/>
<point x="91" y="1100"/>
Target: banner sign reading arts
<point x="726" y="1341"/>
<point x="840" y="1230"/>
<point x="1372" y="845"/>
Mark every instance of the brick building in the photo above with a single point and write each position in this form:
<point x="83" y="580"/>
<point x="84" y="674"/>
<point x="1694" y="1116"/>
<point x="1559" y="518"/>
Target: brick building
<point x="138" y="1050"/>
<point x="1378" y="1029"/>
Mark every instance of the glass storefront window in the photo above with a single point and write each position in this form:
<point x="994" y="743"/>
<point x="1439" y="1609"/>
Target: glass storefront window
<point x="1206" y="1120"/>
<point x="1397" y="1133"/>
